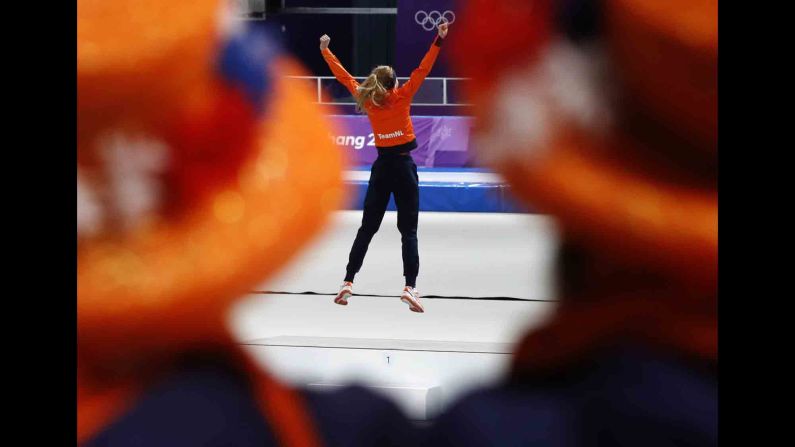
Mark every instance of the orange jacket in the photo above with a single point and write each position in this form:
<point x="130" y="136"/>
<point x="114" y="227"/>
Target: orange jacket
<point x="391" y="121"/>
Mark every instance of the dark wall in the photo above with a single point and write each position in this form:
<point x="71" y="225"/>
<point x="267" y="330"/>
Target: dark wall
<point x="374" y="41"/>
<point x="300" y="35"/>
<point x="360" y="41"/>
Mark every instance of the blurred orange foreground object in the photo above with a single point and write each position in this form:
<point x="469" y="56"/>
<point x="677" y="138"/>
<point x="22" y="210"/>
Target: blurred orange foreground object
<point x="559" y="127"/>
<point x="161" y="284"/>
<point x="123" y="57"/>
<point x="615" y="135"/>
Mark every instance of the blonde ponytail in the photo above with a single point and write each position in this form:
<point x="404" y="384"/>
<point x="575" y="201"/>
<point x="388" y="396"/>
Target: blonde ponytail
<point x="375" y="88"/>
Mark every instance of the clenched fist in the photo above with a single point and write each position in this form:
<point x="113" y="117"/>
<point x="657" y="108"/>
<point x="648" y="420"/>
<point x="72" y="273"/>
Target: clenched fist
<point x="443" y="29"/>
<point x="324" y="40"/>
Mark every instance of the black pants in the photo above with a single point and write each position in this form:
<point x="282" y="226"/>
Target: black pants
<point x="391" y="174"/>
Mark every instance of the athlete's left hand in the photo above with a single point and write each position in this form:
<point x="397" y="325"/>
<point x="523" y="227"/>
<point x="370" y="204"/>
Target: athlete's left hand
<point x="443" y="29"/>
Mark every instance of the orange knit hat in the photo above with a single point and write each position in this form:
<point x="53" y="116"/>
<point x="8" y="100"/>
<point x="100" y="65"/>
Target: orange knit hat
<point x="201" y="171"/>
<point x="617" y="136"/>
<point x="612" y="130"/>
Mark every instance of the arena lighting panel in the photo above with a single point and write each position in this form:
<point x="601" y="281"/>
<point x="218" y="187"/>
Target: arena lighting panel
<point x="260" y="8"/>
<point x="342" y="10"/>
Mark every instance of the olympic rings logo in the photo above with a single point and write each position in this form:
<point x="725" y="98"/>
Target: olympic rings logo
<point x="430" y="20"/>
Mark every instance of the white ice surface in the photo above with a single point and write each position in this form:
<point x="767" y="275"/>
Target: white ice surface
<point x="461" y="254"/>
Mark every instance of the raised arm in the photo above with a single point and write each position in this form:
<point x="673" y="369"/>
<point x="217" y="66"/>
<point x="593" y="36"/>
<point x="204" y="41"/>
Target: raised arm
<point x="336" y="67"/>
<point x="420" y="73"/>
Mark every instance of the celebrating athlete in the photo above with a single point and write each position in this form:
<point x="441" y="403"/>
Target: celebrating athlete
<point x="394" y="171"/>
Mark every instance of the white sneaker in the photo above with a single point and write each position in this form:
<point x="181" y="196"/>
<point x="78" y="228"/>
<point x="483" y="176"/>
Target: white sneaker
<point x="346" y="291"/>
<point x="411" y="297"/>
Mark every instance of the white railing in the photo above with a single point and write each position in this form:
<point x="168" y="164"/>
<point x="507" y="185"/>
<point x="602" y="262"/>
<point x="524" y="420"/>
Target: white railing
<point x="444" y="80"/>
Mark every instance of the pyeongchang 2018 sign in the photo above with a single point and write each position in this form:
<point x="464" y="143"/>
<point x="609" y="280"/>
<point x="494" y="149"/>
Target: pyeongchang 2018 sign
<point x="443" y="141"/>
<point x="416" y="28"/>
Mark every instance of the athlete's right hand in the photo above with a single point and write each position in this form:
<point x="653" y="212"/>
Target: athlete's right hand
<point x="324" y="40"/>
